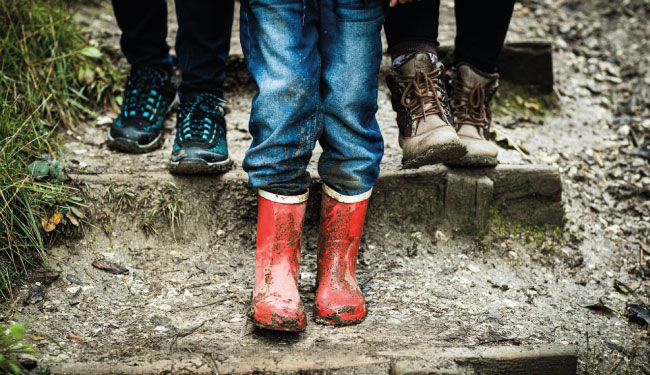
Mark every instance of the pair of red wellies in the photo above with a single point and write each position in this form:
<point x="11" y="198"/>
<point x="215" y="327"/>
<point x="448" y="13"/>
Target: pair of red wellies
<point x="339" y="300"/>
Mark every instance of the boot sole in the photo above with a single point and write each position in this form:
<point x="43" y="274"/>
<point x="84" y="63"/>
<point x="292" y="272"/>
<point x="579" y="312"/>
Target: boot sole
<point x="198" y="166"/>
<point x="286" y="325"/>
<point x="127" y="145"/>
<point x="334" y="318"/>
<point x="444" y="153"/>
<point x="474" y="162"/>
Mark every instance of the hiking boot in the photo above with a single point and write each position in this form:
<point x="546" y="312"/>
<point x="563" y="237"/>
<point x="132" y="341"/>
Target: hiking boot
<point x="148" y="97"/>
<point x="418" y="95"/>
<point x="471" y="91"/>
<point x="200" y="144"/>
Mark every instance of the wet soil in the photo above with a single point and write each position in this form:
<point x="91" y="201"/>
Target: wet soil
<point x="188" y="292"/>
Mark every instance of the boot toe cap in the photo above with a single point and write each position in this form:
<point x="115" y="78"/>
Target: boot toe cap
<point x="279" y="316"/>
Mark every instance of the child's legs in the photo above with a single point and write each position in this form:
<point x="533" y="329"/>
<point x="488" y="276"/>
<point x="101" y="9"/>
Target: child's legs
<point x="281" y="51"/>
<point x="144" y="28"/>
<point x="351" y="53"/>
<point x="202" y="44"/>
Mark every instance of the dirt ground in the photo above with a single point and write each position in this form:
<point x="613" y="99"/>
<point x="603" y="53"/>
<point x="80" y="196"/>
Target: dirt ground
<point x="187" y="292"/>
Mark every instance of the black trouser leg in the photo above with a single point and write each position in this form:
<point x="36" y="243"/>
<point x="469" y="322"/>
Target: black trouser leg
<point x="412" y="27"/>
<point x="202" y="44"/>
<point x="144" y="29"/>
<point x="481" y="28"/>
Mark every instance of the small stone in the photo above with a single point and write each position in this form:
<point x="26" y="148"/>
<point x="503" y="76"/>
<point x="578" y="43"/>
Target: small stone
<point x="73" y="290"/>
<point x="441" y="237"/>
<point x="624" y="130"/>
<point x="473" y="268"/>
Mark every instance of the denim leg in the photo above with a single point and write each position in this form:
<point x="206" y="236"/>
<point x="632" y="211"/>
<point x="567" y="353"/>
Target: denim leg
<point x="351" y="53"/>
<point x="280" y="43"/>
<point x="202" y="45"/>
<point x="144" y="29"/>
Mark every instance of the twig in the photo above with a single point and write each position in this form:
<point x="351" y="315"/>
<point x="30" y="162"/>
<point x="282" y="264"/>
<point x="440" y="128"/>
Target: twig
<point x="185" y="334"/>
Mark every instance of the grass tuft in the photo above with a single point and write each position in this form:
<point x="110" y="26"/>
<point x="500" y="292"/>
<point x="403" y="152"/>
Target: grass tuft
<point x="51" y="75"/>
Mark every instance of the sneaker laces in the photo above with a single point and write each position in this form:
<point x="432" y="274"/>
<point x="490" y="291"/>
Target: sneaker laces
<point x="143" y="94"/>
<point x="422" y="94"/>
<point x="200" y="119"/>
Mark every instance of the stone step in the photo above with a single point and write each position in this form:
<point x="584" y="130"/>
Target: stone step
<point x="428" y="198"/>
<point x="499" y="360"/>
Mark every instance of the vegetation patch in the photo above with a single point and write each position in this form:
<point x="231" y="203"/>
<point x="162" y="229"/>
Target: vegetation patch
<point x="51" y="76"/>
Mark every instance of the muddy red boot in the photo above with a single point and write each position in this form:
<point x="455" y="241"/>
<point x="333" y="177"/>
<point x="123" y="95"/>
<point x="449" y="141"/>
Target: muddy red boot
<point x="276" y="302"/>
<point x="339" y="300"/>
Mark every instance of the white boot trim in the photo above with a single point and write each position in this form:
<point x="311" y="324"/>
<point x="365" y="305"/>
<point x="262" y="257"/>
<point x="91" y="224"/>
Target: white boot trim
<point x="346" y="198"/>
<point x="286" y="199"/>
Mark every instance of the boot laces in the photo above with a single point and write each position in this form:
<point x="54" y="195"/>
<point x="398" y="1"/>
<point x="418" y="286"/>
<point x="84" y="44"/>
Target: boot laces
<point x="470" y="105"/>
<point x="421" y="96"/>
<point x="200" y="121"/>
<point x="144" y="94"/>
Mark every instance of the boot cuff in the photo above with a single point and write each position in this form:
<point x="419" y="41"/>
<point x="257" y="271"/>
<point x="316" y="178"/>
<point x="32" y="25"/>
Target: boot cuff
<point x="286" y="199"/>
<point x="346" y="198"/>
<point x="404" y="48"/>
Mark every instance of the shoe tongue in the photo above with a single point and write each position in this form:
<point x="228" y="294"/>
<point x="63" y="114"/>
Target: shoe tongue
<point x="470" y="76"/>
<point x="419" y="61"/>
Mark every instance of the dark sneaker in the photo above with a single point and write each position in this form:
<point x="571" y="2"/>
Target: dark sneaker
<point x="200" y="145"/>
<point x="148" y="97"/>
<point x="426" y="132"/>
<point x="471" y="92"/>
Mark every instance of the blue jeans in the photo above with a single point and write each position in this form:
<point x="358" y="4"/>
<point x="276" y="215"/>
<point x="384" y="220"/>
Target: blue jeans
<point x="202" y="41"/>
<point x="316" y="63"/>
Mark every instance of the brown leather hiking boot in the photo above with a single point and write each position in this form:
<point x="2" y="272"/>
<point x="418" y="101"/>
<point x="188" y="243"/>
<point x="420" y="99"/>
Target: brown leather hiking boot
<point x="418" y="95"/>
<point x="471" y="91"/>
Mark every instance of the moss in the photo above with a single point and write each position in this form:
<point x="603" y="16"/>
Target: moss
<point x="528" y="100"/>
<point x="545" y="238"/>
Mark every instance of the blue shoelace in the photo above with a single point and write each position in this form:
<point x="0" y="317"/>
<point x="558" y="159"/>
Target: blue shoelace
<point x="143" y="96"/>
<point x="201" y="119"/>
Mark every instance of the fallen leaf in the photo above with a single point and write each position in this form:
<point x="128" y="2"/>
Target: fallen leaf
<point x="599" y="306"/>
<point x="76" y="338"/>
<point x="109" y="267"/>
<point x="37" y="338"/>
<point x="72" y="219"/>
<point x="619" y="286"/>
<point x="530" y="105"/>
<point x="93" y="52"/>
<point x="638" y="314"/>
<point x="51" y="223"/>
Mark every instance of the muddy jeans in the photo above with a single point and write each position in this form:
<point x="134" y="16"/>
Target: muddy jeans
<point x="202" y="40"/>
<point x="316" y="63"/>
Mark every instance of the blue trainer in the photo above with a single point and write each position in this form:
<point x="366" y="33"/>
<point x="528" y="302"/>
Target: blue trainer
<point x="148" y="97"/>
<point x="200" y="145"/>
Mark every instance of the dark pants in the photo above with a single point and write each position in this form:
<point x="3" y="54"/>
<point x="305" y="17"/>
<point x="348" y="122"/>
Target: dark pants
<point x="481" y="28"/>
<point x="202" y="41"/>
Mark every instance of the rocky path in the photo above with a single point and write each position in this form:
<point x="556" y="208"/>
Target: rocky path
<point x="441" y="300"/>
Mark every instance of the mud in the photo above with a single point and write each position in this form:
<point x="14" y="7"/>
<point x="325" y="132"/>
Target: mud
<point x="425" y="286"/>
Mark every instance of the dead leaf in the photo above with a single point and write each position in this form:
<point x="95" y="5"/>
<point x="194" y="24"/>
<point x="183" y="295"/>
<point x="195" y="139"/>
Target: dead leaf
<point x="638" y="314"/>
<point x="531" y="105"/>
<point x="37" y="338"/>
<point x="72" y="219"/>
<point x="54" y="220"/>
<point x="619" y="286"/>
<point x="76" y="338"/>
<point x="599" y="306"/>
<point x="109" y="267"/>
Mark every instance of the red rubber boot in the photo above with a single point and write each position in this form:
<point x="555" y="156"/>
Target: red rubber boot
<point x="339" y="300"/>
<point x="276" y="302"/>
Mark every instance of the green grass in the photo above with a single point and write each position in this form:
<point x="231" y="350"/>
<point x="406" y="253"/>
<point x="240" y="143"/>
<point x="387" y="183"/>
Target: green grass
<point x="11" y="345"/>
<point x="51" y="76"/>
